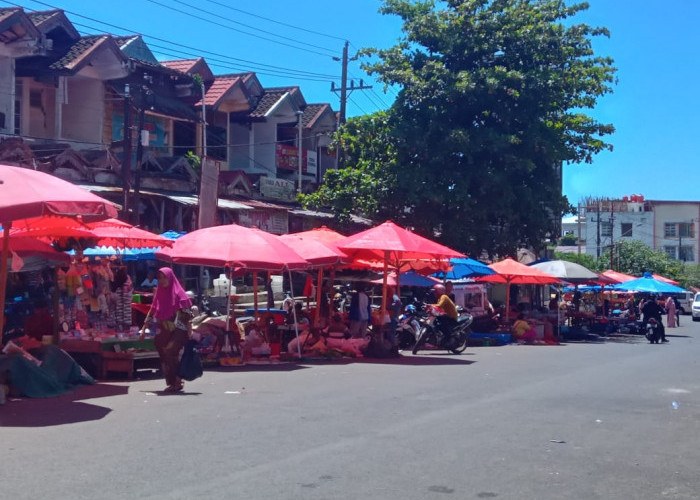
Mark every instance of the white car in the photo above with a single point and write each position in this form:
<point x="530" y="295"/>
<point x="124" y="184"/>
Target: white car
<point x="696" y="307"/>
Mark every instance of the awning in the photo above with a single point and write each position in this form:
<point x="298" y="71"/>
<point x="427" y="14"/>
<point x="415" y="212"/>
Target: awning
<point x="183" y="199"/>
<point x="325" y="215"/>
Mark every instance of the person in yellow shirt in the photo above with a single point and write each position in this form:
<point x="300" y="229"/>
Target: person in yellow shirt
<point x="447" y="322"/>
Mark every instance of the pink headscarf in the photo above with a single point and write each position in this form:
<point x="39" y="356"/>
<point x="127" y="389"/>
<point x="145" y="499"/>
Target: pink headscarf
<point x="169" y="299"/>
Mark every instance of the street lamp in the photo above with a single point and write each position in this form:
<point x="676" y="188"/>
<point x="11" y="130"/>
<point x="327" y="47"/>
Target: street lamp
<point x="299" y="125"/>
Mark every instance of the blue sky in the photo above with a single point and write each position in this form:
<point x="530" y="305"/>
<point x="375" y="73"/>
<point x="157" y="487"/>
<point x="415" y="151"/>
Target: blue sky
<point x="654" y="43"/>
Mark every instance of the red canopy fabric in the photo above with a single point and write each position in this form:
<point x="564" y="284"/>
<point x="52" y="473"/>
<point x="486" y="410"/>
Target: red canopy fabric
<point x="236" y="246"/>
<point x="322" y="234"/>
<point x="512" y="272"/>
<point x="314" y="251"/>
<point x="618" y="277"/>
<point x="665" y="280"/>
<point x="392" y="242"/>
<point x="118" y="234"/>
<point x="29" y="193"/>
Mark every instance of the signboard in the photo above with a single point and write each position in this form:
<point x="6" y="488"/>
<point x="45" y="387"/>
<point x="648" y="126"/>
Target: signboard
<point x="288" y="159"/>
<point x="272" y="221"/>
<point x="278" y="189"/>
<point x="154" y="125"/>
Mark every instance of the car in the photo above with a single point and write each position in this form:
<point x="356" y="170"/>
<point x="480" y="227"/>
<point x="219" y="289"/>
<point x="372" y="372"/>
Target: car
<point x="696" y="307"/>
<point x="685" y="300"/>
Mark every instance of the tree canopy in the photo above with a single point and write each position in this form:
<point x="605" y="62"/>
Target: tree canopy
<point x="492" y="103"/>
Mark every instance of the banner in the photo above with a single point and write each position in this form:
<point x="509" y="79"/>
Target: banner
<point x="288" y="159"/>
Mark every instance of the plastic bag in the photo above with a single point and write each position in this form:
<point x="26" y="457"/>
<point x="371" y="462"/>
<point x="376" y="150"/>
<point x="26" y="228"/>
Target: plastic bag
<point x="191" y="362"/>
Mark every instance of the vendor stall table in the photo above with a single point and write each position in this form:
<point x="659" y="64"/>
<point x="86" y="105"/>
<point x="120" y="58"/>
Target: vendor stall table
<point x="112" y="355"/>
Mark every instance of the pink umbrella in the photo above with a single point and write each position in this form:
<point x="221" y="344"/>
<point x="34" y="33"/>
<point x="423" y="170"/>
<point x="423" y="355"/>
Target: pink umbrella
<point x="617" y="277"/>
<point x="394" y="246"/>
<point x="236" y="247"/>
<point x="665" y="280"/>
<point x="28" y="193"/>
<point x="118" y="234"/>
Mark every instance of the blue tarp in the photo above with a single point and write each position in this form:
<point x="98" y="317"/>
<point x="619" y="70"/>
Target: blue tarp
<point x="465" y="268"/>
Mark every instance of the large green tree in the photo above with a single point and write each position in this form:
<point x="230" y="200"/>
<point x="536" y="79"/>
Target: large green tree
<point x="492" y="104"/>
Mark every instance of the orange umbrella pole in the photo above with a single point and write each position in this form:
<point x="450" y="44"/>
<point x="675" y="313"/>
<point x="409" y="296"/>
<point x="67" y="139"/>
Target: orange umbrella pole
<point x="3" y="274"/>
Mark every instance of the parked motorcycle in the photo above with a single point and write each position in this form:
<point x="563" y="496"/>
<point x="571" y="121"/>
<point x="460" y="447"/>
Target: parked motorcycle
<point x="432" y="333"/>
<point x="408" y="328"/>
<point x="652" y="331"/>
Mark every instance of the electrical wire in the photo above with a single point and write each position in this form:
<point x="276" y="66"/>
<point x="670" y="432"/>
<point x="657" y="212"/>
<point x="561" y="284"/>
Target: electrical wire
<point x="274" y="21"/>
<point x="199" y="9"/>
<point x="237" y="30"/>
<point x="130" y="31"/>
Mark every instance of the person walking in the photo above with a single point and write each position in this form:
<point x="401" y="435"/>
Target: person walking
<point x="171" y="307"/>
<point x="670" y="312"/>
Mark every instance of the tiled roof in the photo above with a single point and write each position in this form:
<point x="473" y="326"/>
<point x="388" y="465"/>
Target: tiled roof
<point x="311" y="113"/>
<point x="183" y="65"/>
<point x="269" y="98"/>
<point x="40" y="16"/>
<point x="6" y="12"/>
<point x="80" y="49"/>
<point x="218" y="89"/>
<point x="123" y="40"/>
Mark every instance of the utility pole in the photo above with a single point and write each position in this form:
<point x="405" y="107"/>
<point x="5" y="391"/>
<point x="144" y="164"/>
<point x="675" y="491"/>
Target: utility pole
<point x="597" y="250"/>
<point x="578" y="223"/>
<point x="126" y="163"/>
<point x="612" y="231"/>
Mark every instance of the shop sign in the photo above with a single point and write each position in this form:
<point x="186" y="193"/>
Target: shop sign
<point x="154" y="125"/>
<point x="288" y="159"/>
<point x="272" y="221"/>
<point x="278" y="189"/>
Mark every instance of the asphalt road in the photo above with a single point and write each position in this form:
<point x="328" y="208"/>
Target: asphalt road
<point x="612" y="420"/>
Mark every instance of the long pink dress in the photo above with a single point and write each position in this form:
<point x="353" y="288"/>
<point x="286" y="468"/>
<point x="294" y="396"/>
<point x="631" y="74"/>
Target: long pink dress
<point x="670" y="313"/>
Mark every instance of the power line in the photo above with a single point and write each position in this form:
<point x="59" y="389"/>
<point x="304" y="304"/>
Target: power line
<point x="274" y="21"/>
<point x="130" y="31"/>
<point x="237" y="30"/>
<point x="199" y="9"/>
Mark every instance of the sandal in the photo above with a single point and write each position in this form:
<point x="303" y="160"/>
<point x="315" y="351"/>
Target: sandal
<point x="175" y="388"/>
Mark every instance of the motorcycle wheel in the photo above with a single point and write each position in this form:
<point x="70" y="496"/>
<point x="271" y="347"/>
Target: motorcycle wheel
<point x="461" y="343"/>
<point x="420" y="340"/>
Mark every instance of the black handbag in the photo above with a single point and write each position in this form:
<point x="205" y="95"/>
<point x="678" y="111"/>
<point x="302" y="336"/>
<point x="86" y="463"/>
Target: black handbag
<point x="191" y="362"/>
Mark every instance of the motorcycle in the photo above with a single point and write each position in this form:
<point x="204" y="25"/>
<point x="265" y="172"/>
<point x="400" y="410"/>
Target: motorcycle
<point x="652" y="331"/>
<point x="432" y="333"/>
<point x="408" y="328"/>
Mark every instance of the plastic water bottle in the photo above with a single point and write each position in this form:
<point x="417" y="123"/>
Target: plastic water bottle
<point x="674" y="405"/>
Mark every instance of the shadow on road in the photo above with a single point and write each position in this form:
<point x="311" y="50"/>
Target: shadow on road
<point x="64" y="409"/>
<point x="423" y="358"/>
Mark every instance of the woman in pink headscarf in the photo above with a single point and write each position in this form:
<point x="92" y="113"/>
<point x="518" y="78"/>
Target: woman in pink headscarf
<point x="171" y="307"/>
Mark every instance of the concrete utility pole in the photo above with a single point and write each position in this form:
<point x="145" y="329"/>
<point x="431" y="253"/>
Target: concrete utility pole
<point x="344" y="90"/>
<point x="578" y="224"/>
<point x="612" y="231"/>
<point x="126" y="164"/>
<point x="597" y="244"/>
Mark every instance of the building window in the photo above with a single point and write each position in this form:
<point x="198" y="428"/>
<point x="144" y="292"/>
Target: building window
<point x="606" y="229"/>
<point x="686" y="230"/>
<point x="670" y="251"/>
<point x="626" y="229"/>
<point x="686" y="253"/>
<point x="670" y="230"/>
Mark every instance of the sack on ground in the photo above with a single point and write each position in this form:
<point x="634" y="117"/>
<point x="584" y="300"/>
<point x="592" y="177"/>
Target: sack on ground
<point x="191" y="362"/>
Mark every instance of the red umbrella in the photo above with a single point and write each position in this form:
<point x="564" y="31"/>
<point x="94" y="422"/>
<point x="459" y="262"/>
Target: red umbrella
<point x="314" y="251"/>
<point x="235" y="246"/>
<point x="394" y="246"/>
<point x="617" y="277"/>
<point x="28" y="193"/>
<point x="511" y="272"/>
<point x="118" y="234"/>
<point x="665" y="280"/>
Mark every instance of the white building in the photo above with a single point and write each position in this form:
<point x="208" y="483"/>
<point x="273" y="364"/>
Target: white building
<point x="668" y="226"/>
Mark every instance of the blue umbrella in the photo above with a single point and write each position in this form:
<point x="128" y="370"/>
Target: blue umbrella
<point x="647" y="284"/>
<point x="465" y="268"/>
<point x="409" y="278"/>
<point x="172" y="235"/>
